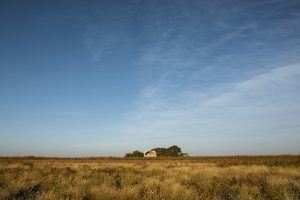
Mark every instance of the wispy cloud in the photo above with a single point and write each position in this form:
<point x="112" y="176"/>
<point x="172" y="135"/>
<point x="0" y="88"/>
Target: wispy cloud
<point x="207" y="69"/>
<point x="276" y="85"/>
<point x="274" y="91"/>
<point x="218" y="85"/>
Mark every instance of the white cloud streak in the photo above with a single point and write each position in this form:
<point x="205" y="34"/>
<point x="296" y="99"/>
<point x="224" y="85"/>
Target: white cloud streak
<point x="212" y="73"/>
<point x="264" y="106"/>
<point x="199" y="91"/>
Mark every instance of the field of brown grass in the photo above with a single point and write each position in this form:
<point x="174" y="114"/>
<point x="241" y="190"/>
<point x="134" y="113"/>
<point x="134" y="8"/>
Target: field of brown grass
<point x="260" y="177"/>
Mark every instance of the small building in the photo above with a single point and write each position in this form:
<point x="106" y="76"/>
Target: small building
<point x="150" y="154"/>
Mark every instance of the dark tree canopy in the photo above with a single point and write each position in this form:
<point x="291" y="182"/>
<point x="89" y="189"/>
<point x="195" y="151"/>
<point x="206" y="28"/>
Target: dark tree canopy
<point x="135" y="154"/>
<point x="172" y="151"/>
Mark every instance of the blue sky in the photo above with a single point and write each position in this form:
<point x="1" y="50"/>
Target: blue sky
<point x="99" y="78"/>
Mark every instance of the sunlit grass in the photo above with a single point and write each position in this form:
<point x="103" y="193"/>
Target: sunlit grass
<point x="190" y="178"/>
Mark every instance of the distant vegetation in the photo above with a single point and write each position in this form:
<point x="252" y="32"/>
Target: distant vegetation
<point x="135" y="154"/>
<point x="172" y="151"/>
<point x="172" y="178"/>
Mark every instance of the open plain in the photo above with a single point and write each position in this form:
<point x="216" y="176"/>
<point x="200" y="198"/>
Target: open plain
<point x="243" y="177"/>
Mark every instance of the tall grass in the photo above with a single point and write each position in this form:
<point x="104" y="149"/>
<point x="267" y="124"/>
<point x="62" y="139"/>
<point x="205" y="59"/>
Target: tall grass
<point x="189" y="178"/>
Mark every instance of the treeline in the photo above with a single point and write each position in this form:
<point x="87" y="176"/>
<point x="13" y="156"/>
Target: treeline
<point x="172" y="151"/>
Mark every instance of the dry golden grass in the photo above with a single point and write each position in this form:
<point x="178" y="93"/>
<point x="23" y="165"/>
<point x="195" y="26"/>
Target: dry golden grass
<point x="270" y="177"/>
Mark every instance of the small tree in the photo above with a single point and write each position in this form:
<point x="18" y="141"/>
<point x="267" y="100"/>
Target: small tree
<point x="137" y="154"/>
<point x="174" y="151"/>
<point x="134" y="154"/>
<point x="127" y="155"/>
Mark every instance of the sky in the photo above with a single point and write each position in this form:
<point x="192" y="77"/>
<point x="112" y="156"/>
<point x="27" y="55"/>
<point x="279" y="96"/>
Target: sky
<point x="103" y="78"/>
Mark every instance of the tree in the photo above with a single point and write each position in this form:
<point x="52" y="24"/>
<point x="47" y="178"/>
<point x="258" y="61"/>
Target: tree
<point x="160" y="151"/>
<point x="135" y="154"/>
<point x="172" y="151"/>
<point x="127" y="155"/>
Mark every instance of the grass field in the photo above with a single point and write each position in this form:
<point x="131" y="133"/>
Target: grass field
<point x="263" y="177"/>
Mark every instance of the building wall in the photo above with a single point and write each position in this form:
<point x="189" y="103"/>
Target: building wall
<point x="150" y="154"/>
